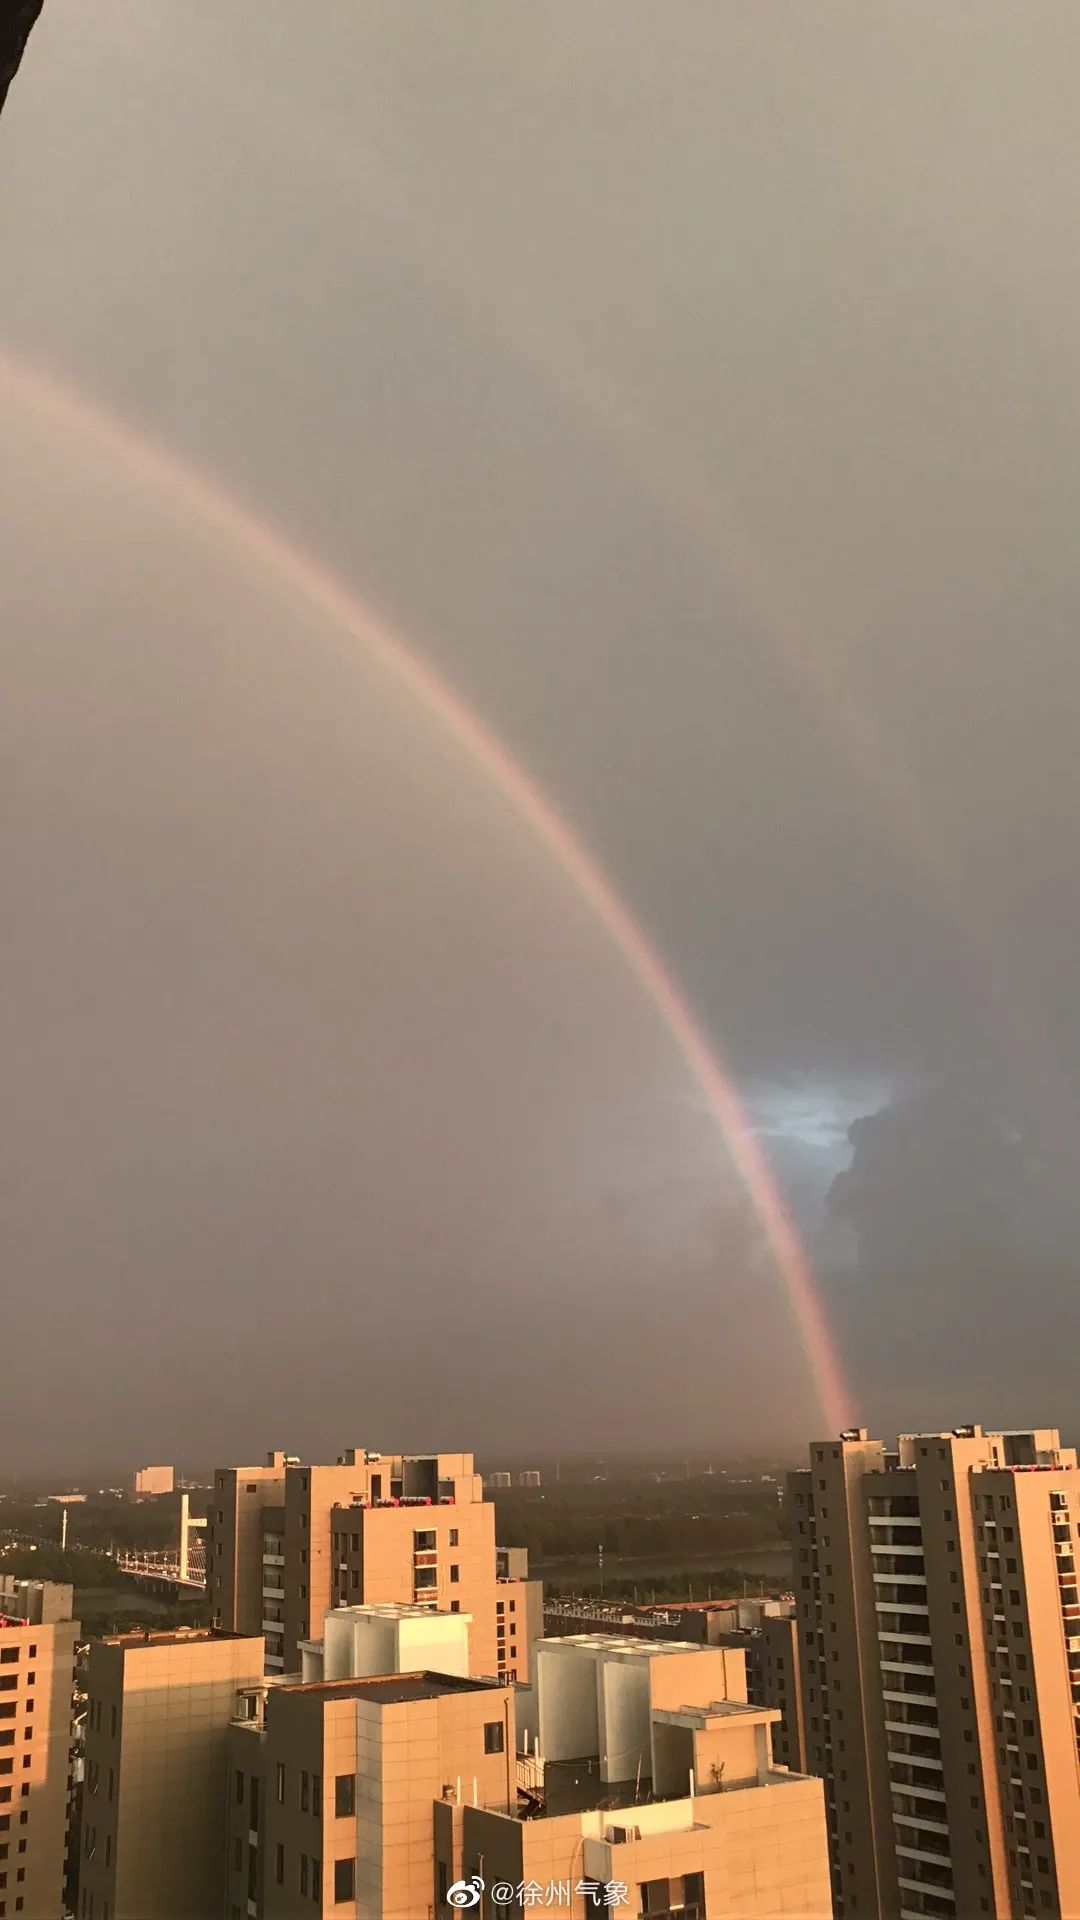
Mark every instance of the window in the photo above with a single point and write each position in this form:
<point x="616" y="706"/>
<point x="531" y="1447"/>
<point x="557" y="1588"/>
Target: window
<point x="345" y="1795"/>
<point x="494" y="1736"/>
<point x="344" y="1880"/>
<point x="305" y="1793"/>
<point x="281" y="1783"/>
<point x="455" y="1606"/>
<point x="453" y="1536"/>
<point x="455" y="1575"/>
<point x="316" y="1880"/>
<point x="303" y="1873"/>
<point x="238" y="1787"/>
<point x="237" y="1854"/>
<point x="316" y="1793"/>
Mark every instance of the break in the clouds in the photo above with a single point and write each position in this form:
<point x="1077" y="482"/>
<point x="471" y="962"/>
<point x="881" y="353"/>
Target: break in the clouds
<point x="696" y="391"/>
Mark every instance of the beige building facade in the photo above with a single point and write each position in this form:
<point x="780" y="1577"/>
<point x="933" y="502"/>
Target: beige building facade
<point x="939" y="1619"/>
<point x="159" y="1707"/>
<point x="150" y="1481"/>
<point x="649" y="1789"/>
<point x="346" y="1774"/>
<point x="289" y="1540"/>
<point x="37" y="1660"/>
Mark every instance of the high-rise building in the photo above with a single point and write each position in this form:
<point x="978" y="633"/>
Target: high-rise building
<point x="343" y="1775"/>
<point x="939" y="1620"/>
<point x="646" y="1778"/>
<point x="152" y="1480"/>
<point x="291" y="1539"/>
<point x="37" y="1661"/>
<point x="245" y="1525"/>
<point x="159" y="1707"/>
<point x="773" y="1675"/>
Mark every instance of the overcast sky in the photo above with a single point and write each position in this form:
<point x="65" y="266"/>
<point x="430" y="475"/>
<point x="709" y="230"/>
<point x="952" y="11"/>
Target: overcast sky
<point x="695" y="386"/>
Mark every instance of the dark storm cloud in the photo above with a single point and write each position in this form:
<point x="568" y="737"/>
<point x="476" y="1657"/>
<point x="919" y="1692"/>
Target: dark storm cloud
<point x="962" y="1231"/>
<point x="697" y="389"/>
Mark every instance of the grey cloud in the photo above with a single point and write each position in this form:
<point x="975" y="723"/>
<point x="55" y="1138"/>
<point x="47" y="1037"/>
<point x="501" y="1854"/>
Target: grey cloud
<point x="697" y="390"/>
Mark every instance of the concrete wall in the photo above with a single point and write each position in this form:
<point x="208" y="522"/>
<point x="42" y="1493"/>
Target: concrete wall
<point x="357" y="1642"/>
<point x="569" y="1713"/>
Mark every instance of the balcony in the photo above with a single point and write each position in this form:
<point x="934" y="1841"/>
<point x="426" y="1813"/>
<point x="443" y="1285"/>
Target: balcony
<point x="932" y="1858"/>
<point x="919" y="1821"/>
<point x="930" y="1738"/>
<point x="901" y="1759"/>
<point x="925" y="1793"/>
<point x="914" y="1885"/>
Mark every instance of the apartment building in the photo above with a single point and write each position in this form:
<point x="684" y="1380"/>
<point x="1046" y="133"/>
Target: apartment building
<point x="774" y="1680"/>
<point x="332" y="1786"/>
<point x="289" y="1540"/>
<point x="766" y="1630"/>
<point x="149" y="1482"/>
<point x="939" y="1623"/>
<point x="37" y="1662"/>
<point x="519" y="1614"/>
<point x="647" y="1786"/>
<point x="159" y="1707"/>
<point x="236" y="1525"/>
<point x="651" y="1791"/>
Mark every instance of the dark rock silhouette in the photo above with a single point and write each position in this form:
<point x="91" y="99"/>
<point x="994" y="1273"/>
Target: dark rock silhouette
<point x="17" y="17"/>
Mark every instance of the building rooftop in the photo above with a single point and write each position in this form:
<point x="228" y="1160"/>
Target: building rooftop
<point x="392" y="1689"/>
<point x="611" y="1645"/>
<point x="714" y="1710"/>
<point x="179" y="1637"/>
<point x="396" y="1610"/>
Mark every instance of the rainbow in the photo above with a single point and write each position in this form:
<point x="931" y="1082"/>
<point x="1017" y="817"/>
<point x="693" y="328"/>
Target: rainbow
<point x="264" y="549"/>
